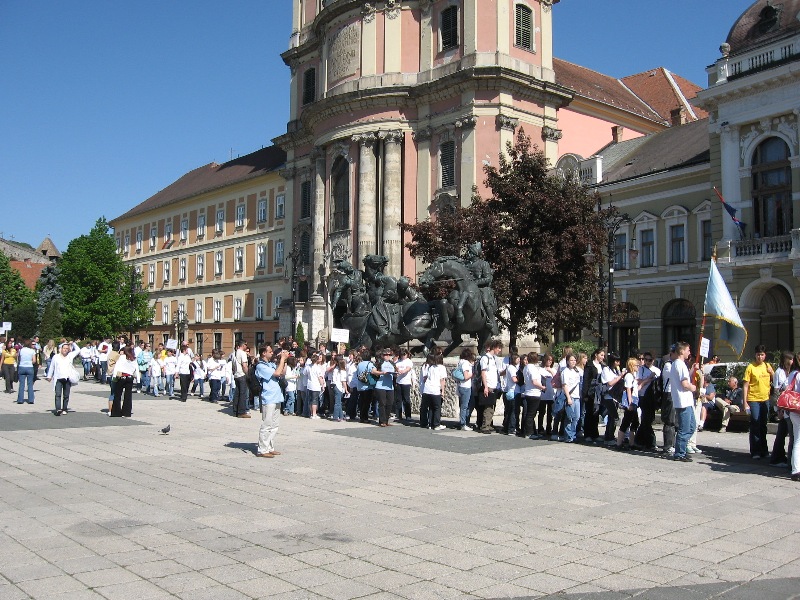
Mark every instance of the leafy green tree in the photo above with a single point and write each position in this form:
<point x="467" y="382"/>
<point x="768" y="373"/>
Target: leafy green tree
<point x="23" y="319"/>
<point x="48" y="289"/>
<point x="13" y="291"/>
<point x="102" y="295"/>
<point x="535" y="229"/>
<point x="300" y="335"/>
<point x="50" y="325"/>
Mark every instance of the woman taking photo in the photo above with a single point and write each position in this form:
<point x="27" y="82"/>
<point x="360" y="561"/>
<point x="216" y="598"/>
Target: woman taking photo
<point x="59" y="372"/>
<point x="126" y="373"/>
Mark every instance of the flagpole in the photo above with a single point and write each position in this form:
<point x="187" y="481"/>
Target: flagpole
<point x="703" y="323"/>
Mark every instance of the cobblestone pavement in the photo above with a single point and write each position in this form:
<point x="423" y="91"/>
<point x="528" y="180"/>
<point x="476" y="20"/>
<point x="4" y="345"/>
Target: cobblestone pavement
<point x="94" y="507"/>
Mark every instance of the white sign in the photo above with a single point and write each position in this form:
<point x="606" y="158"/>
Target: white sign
<point x="171" y="344"/>
<point x="705" y="346"/>
<point x="340" y="335"/>
<point x="7" y="325"/>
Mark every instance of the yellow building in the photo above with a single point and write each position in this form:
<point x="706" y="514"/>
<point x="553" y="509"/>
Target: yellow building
<point x="211" y="249"/>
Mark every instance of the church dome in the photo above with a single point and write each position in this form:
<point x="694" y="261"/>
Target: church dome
<point x="766" y="21"/>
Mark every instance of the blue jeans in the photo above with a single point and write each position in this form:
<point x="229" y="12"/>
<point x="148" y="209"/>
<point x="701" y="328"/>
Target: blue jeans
<point x="288" y="407"/>
<point x="463" y="404"/>
<point x="198" y="382"/>
<point x="337" y="404"/>
<point x="215" y="384"/>
<point x="87" y="367"/>
<point x="25" y="378"/>
<point x="685" y="426"/>
<point x="306" y="397"/>
<point x="144" y="381"/>
<point x="169" y="385"/>
<point x="572" y="414"/>
<point x="155" y="382"/>
<point x="103" y="370"/>
<point x="759" y="411"/>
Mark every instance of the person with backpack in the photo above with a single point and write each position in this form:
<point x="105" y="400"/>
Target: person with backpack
<point x="239" y="366"/>
<point x="384" y="388"/>
<point x="649" y="380"/>
<point x="611" y="378"/>
<point x="667" y="407"/>
<point x="591" y="397"/>
<point x="366" y="374"/>
<point x="464" y="380"/>
<point x="630" y="404"/>
<point x="490" y="385"/>
<point x="510" y="393"/>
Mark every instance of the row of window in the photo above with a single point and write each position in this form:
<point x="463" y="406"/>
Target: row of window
<point x="219" y="224"/>
<point x="238" y="304"/>
<point x="676" y="252"/>
<point x="238" y="264"/>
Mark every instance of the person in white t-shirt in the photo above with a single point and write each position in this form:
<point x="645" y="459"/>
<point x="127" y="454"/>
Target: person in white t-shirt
<point x="629" y="404"/>
<point x="682" y="387"/>
<point x="464" y="388"/>
<point x="339" y="384"/>
<point x="532" y="390"/>
<point x="489" y="386"/>
<point x="434" y="378"/>
<point x="402" y="388"/>
<point x="170" y="372"/>
<point x="316" y="383"/>
<point x="290" y="393"/>
<point x="509" y="395"/>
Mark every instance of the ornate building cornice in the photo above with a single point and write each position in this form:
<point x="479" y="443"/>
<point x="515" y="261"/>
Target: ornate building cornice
<point x="395" y="136"/>
<point x="423" y="135"/>
<point x="468" y="122"/>
<point x="365" y="139"/>
<point x="550" y="134"/>
<point x="506" y="122"/>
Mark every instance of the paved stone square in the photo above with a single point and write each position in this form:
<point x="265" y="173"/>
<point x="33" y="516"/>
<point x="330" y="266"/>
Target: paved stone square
<point x="94" y="507"/>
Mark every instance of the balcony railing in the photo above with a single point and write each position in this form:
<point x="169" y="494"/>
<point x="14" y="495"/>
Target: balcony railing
<point x="779" y="246"/>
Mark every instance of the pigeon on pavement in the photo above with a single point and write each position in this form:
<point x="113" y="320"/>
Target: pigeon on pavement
<point x="166" y="429"/>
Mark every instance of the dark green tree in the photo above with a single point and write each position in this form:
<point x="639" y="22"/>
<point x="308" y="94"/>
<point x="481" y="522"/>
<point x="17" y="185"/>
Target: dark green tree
<point x="23" y="319"/>
<point x="102" y="295"/>
<point x="50" y="325"/>
<point x="48" y="290"/>
<point x="299" y="335"/>
<point x="13" y="291"/>
<point x="535" y="229"/>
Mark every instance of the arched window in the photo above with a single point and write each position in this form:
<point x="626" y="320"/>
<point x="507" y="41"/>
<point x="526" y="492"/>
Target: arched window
<point x="340" y="183"/>
<point x="772" y="189"/>
<point x="523" y="30"/>
<point x="679" y="320"/>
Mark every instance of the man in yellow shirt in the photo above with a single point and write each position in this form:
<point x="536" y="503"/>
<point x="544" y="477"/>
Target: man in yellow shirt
<point x="756" y="383"/>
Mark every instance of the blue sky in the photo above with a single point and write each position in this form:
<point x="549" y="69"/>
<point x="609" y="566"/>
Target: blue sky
<point x="104" y="103"/>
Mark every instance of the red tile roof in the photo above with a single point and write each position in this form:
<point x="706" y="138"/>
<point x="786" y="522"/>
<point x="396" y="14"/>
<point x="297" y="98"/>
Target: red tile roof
<point x="211" y="177"/>
<point x="30" y="271"/>
<point x="601" y="88"/>
<point x="665" y="91"/>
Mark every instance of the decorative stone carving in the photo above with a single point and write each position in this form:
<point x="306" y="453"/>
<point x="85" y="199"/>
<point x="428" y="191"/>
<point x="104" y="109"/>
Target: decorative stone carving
<point x="747" y="139"/>
<point x="467" y="122"/>
<point x="547" y="5"/>
<point x="765" y="273"/>
<point x="551" y="134"/>
<point x="340" y="246"/>
<point x="342" y="148"/>
<point x="368" y="12"/>
<point x="392" y="10"/>
<point x="506" y="122"/>
<point x="788" y="129"/>
<point x="725" y="50"/>
<point x="394" y="136"/>
<point x="365" y="139"/>
<point x="423" y="135"/>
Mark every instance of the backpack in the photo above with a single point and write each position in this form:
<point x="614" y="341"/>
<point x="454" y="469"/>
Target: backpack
<point x="253" y="382"/>
<point x="617" y="390"/>
<point x="556" y="381"/>
<point x="366" y="377"/>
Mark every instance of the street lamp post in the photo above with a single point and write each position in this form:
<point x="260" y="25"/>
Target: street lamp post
<point x="296" y="276"/>
<point x="611" y="220"/>
<point x="181" y="323"/>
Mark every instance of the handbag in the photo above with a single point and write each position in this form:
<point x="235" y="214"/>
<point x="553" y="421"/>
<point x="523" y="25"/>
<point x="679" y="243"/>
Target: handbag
<point x="789" y="399"/>
<point x="74" y="377"/>
<point x="458" y="374"/>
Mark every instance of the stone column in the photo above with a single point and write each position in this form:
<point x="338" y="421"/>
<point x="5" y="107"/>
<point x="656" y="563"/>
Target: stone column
<point x="318" y="237"/>
<point x="367" y="203"/>
<point x="392" y="199"/>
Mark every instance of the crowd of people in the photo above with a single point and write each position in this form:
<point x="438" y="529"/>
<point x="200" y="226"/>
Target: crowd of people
<point x="563" y="400"/>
